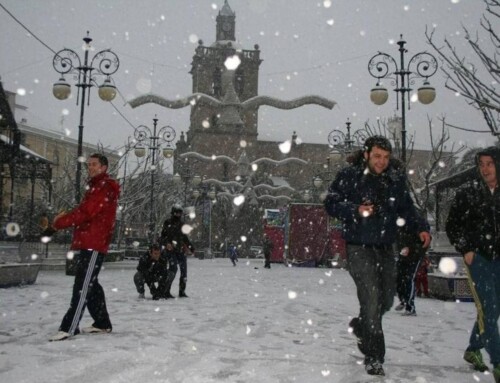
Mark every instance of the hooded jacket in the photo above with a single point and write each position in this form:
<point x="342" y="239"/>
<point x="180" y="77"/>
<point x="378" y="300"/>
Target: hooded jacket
<point x="171" y="233"/>
<point x="473" y="223"/>
<point x="388" y="192"/>
<point x="94" y="218"/>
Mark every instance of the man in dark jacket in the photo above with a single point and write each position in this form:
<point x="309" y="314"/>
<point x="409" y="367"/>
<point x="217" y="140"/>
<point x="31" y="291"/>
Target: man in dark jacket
<point x="371" y="198"/>
<point x="473" y="227"/>
<point x="153" y="271"/>
<point x="176" y="244"/>
<point x="93" y="222"/>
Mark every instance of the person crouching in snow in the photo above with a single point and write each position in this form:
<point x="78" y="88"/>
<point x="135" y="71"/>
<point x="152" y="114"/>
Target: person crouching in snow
<point x="152" y="270"/>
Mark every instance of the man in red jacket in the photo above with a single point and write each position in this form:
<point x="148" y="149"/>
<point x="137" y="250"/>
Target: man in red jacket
<point x="93" y="221"/>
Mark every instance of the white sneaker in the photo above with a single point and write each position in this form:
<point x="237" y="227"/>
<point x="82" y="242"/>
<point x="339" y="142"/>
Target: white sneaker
<point x="95" y="330"/>
<point x="61" y="335"/>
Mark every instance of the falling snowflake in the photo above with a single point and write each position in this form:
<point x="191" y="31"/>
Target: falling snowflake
<point x="238" y="200"/>
<point x="12" y="229"/>
<point x="285" y="147"/>
<point x="232" y="62"/>
<point x="193" y="39"/>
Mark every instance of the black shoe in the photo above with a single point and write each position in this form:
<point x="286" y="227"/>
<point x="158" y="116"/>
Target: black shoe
<point x="169" y="296"/>
<point x="183" y="295"/>
<point x="374" y="368"/>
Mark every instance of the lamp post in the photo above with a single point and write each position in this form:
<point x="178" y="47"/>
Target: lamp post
<point x="186" y="177"/>
<point x="164" y="136"/>
<point x="206" y="196"/>
<point x="344" y="143"/>
<point x="103" y="63"/>
<point x="421" y="65"/>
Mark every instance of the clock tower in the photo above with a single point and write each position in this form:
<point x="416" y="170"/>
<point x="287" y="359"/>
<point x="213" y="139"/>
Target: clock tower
<point x="225" y="23"/>
<point x="215" y="130"/>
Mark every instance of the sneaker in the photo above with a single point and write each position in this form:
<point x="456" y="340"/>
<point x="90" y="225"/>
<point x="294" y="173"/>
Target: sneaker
<point x="476" y="359"/>
<point x="141" y="296"/>
<point x="408" y="313"/>
<point x="375" y="368"/>
<point x="399" y="307"/>
<point x="95" y="330"/>
<point x="496" y="373"/>
<point x="61" y="335"/>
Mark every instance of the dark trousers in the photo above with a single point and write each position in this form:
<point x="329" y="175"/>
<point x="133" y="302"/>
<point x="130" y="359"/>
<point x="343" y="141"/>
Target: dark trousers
<point x="407" y="271"/>
<point x="267" y="263"/>
<point x="87" y="292"/>
<point x="157" y="286"/>
<point x="177" y="259"/>
<point x="484" y="280"/>
<point x="374" y="273"/>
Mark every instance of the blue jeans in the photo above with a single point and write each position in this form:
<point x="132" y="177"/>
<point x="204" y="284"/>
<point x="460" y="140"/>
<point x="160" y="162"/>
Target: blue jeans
<point x="374" y="273"/>
<point x="484" y="281"/>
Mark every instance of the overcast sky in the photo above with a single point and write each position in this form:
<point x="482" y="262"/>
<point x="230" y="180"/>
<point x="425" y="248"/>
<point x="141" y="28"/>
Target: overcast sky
<point x="308" y="46"/>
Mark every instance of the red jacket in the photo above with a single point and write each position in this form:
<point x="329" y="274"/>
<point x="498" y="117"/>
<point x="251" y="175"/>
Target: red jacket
<point x="94" y="218"/>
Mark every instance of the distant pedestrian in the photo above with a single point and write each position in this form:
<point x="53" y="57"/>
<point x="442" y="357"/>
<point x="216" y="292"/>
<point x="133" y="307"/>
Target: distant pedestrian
<point x="411" y="255"/>
<point x="371" y="198"/>
<point x="473" y="227"/>
<point x="93" y="222"/>
<point x="176" y="245"/>
<point x="267" y="248"/>
<point x="152" y="270"/>
<point x="421" y="280"/>
<point x="233" y="254"/>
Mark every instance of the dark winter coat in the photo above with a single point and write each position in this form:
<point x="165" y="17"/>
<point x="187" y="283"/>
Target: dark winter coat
<point x="473" y="223"/>
<point x="94" y="218"/>
<point x="267" y="246"/>
<point x="171" y="233"/>
<point x="413" y="242"/>
<point x="151" y="270"/>
<point x="388" y="192"/>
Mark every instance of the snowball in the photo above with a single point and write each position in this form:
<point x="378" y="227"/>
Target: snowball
<point x="447" y="265"/>
<point x="186" y="229"/>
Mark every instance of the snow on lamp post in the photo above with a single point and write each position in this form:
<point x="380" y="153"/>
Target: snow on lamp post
<point x="67" y="61"/>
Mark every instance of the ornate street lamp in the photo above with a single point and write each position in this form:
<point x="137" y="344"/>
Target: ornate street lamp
<point x="164" y="136"/>
<point x="421" y="65"/>
<point x="67" y="61"/>
<point x="344" y="143"/>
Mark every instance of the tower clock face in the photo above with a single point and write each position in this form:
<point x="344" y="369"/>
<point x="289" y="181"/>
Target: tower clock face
<point x="226" y="26"/>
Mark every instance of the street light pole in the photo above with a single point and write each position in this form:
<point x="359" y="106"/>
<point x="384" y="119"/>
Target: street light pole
<point x="421" y="65"/>
<point x="165" y="135"/>
<point x="103" y="63"/>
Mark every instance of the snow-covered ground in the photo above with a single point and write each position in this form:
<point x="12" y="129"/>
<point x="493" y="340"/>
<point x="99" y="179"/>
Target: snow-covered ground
<point x="240" y="324"/>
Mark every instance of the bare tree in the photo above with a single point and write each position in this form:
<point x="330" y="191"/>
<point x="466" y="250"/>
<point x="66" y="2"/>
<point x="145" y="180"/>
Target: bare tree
<point x="477" y="84"/>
